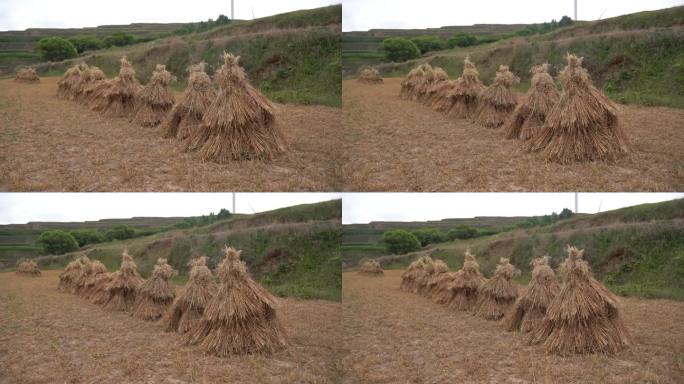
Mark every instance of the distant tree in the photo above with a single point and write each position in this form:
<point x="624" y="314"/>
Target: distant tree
<point x="399" y="241"/>
<point x="56" y="242"/>
<point x="428" y="43"/>
<point x="429" y="236"/>
<point x="565" y="214"/>
<point x="222" y="19"/>
<point x="223" y="214"/>
<point x="55" y="48"/>
<point x="461" y="40"/>
<point x="119" y="39"/>
<point x="121" y="232"/>
<point x="399" y="49"/>
<point x="565" y="21"/>
<point x="87" y="236"/>
<point x="86" y="43"/>
<point x="461" y="232"/>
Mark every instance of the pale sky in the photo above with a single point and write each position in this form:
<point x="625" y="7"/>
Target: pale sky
<point x="367" y="207"/>
<point x="20" y="208"/>
<point x="23" y="14"/>
<point x="362" y="15"/>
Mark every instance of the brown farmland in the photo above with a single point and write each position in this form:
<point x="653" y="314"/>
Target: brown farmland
<point x="392" y="336"/>
<point x="398" y="145"/>
<point x="48" y="336"/>
<point x="50" y="144"/>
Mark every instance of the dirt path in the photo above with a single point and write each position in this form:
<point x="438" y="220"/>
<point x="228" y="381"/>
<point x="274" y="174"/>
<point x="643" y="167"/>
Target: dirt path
<point x="392" y="336"/>
<point x="398" y="145"/>
<point x="47" y="336"/>
<point x="50" y="144"/>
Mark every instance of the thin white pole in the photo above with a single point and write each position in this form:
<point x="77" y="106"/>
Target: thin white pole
<point x="576" y="203"/>
<point x="233" y="203"/>
<point x="575" y="10"/>
<point x="232" y="17"/>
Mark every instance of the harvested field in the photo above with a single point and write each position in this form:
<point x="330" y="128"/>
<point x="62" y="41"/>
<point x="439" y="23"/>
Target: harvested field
<point x="398" y="145"/>
<point x="392" y="336"/>
<point x="51" y="144"/>
<point x="48" y="336"/>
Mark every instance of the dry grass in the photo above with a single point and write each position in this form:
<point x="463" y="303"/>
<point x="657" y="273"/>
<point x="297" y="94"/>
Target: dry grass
<point x="47" y="337"/>
<point x="51" y="144"/>
<point x="395" y="337"/>
<point x="393" y="144"/>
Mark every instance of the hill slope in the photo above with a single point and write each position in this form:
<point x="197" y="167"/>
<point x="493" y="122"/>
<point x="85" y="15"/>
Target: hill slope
<point x="636" y="58"/>
<point x="292" y="57"/>
<point x="293" y="251"/>
<point x="636" y="250"/>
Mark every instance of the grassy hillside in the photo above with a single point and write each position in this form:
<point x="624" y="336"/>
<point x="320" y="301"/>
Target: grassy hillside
<point x="293" y="251"/>
<point x="636" y="251"/>
<point x="291" y="57"/>
<point x="637" y="58"/>
<point x="20" y="240"/>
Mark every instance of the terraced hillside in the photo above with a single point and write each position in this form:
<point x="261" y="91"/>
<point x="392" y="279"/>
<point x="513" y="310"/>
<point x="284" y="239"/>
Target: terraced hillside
<point x="636" y="250"/>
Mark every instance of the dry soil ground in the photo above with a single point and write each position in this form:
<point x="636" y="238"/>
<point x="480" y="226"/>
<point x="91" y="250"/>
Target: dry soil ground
<point x="392" y="336"/>
<point x="47" y="143"/>
<point x="399" y="145"/>
<point x="48" y="336"/>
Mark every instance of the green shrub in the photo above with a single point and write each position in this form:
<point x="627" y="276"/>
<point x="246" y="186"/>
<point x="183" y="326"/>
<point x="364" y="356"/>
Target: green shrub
<point x="55" y="48"/>
<point x="429" y="236"/>
<point x="86" y="43"/>
<point x="462" y="232"/>
<point x="57" y="242"/>
<point x="119" y="39"/>
<point x="87" y="236"/>
<point x="399" y="241"/>
<point x="428" y="43"/>
<point x="398" y="49"/>
<point x="121" y="232"/>
<point x="461" y="40"/>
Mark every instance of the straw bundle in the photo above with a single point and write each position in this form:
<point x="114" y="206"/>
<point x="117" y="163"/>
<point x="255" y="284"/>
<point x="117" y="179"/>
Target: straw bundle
<point x="97" y="269"/>
<point x="27" y="75"/>
<point x="28" y="268"/>
<point x="370" y="267"/>
<point x="99" y="293"/>
<point x="186" y="115"/>
<point x="440" y="269"/>
<point x="497" y="294"/>
<point x="82" y="275"/>
<point x="465" y="93"/>
<point x="584" y="316"/>
<point x="68" y="79"/>
<point x="531" y="307"/>
<point x="441" y="292"/>
<point x="241" y="317"/>
<point x="123" y="286"/>
<point x="156" y="293"/>
<point x="369" y="76"/>
<point x="71" y="275"/>
<point x="95" y="77"/>
<point x="497" y="101"/>
<point x="440" y="100"/>
<point x="187" y="309"/>
<point x="583" y="125"/>
<point x="424" y="82"/>
<point x="410" y="81"/>
<point x="413" y="272"/>
<point x="120" y="95"/>
<point x="466" y="284"/>
<point x="440" y="77"/>
<point x="155" y="99"/>
<point x="240" y="123"/>
<point x="530" y="115"/>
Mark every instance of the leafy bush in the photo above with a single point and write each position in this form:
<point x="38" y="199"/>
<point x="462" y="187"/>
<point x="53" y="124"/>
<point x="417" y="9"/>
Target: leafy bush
<point x="399" y="241"/>
<point x="428" y="43"/>
<point x="462" y="232"/>
<point x="429" y="236"/>
<point x="398" y="49"/>
<point x="565" y="214"/>
<point x="121" y="232"/>
<point x="86" y="43"/>
<point x="119" y="39"/>
<point x="461" y="40"/>
<point x="55" y="48"/>
<point x="57" y="242"/>
<point x="87" y="236"/>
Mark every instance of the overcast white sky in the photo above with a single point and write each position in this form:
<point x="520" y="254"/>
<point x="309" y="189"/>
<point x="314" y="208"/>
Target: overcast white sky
<point x="20" y="208"/>
<point x="362" y="15"/>
<point x="366" y="207"/>
<point x="23" y="14"/>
